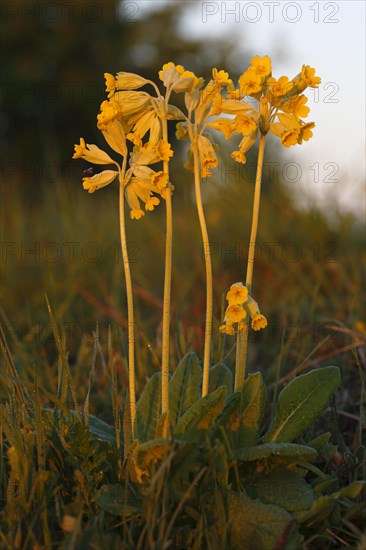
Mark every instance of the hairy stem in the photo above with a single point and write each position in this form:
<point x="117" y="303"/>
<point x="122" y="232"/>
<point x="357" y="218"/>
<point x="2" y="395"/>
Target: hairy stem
<point x="167" y="284"/>
<point x="130" y="312"/>
<point x="242" y="338"/>
<point x="207" y="254"/>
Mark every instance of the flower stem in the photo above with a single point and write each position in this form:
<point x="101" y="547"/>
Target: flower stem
<point x="207" y="254"/>
<point x="130" y="312"/>
<point x="167" y="284"/>
<point x="242" y="338"/>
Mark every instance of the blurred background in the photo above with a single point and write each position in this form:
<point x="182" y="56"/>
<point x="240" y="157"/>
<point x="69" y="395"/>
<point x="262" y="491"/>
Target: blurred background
<point x="60" y="241"/>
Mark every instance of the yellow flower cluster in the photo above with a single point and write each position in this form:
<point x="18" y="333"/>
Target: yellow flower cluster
<point x="202" y="102"/>
<point x="128" y="115"/>
<point x="240" y="305"/>
<point x="280" y="107"/>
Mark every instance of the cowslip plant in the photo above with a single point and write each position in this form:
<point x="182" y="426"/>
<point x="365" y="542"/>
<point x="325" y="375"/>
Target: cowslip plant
<point x="135" y="125"/>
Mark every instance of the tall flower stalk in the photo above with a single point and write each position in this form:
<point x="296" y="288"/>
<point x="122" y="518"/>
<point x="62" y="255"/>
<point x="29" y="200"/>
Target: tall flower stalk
<point x="280" y="108"/>
<point x="242" y="336"/>
<point x="129" y="294"/>
<point x="208" y="266"/>
<point x="167" y="279"/>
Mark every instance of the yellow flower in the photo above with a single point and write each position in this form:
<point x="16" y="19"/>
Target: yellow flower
<point x="290" y="137"/>
<point x="144" y="123"/>
<point x="245" y="125"/>
<point x="173" y="76"/>
<point x="279" y="88"/>
<point x="151" y="203"/>
<point x="234" y="314"/>
<point x="131" y="104"/>
<point x="288" y="121"/>
<point x="197" y="80"/>
<point x="134" y="138"/>
<point x="208" y="159"/>
<point x="110" y="83"/>
<point x="239" y="156"/>
<point x="262" y="66"/>
<point x="159" y="180"/>
<point x="91" y="153"/>
<point x="216" y="106"/>
<point x="308" y="74"/>
<point x="258" y="322"/>
<point x="129" y="81"/>
<point x="99" y="180"/>
<point x="296" y="106"/>
<point x="182" y="131"/>
<point x="150" y="154"/>
<point x="306" y="78"/>
<point x="221" y="77"/>
<point x="164" y="149"/>
<point x="227" y="329"/>
<point x="224" y="125"/>
<point x="169" y="71"/>
<point x="136" y="213"/>
<point x="238" y="294"/>
<point x="155" y="131"/>
<point x="140" y="189"/>
<point x="233" y="107"/>
<point x="360" y="327"/>
<point x="250" y="83"/>
<point x="288" y="129"/>
<point x="305" y="132"/>
<point x="244" y="146"/>
<point x="115" y="137"/>
<point x="109" y="111"/>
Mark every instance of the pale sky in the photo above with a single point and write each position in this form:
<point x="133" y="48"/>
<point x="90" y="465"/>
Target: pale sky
<point x="329" y="36"/>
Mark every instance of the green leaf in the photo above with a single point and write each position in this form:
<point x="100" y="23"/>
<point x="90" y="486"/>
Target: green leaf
<point x="148" y="408"/>
<point x="252" y="409"/>
<point x="203" y="413"/>
<point x="302" y="402"/>
<point x="117" y="500"/>
<point x="243" y="412"/>
<point x="220" y="375"/>
<point x="229" y="418"/>
<point x="283" y="487"/>
<point x="260" y="526"/>
<point x="101" y="429"/>
<point x="152" y="452"/>
<point x="319" y="442"/>
<point x="184" y="386"/>
<point x="162" y="425"/>
<point x="297" y="453"/>
<point x="323" y="506"/>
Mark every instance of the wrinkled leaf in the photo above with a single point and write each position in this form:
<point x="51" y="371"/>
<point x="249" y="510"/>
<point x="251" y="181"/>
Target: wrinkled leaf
<point x="298" y="453"/>
<point x="252" y="409"/>
<point x="184" y="386"/>
<point x="152" y="452"/>
<point x="302" y="402"/>
<point x="284" y="488"/>
<point x="148" y="408"/>
<point x="258" y="526"/>
<point x="117" y="500"/>
<point x="101" y="430"/>
<point x="319" y="442"/>
<point x="203" y="413"/>
<point x="220" y="375"/>
<point x="323" y="506"/>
